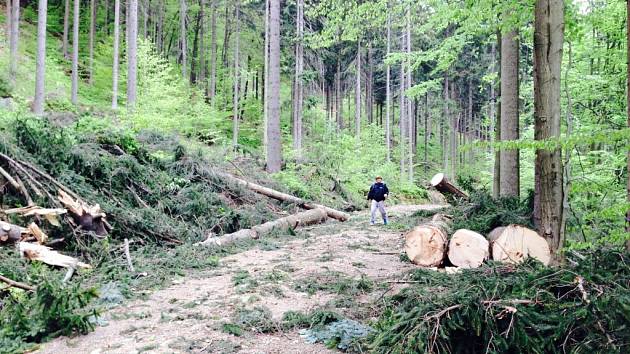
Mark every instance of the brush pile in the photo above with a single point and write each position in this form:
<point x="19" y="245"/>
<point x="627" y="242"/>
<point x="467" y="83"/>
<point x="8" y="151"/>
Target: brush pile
<point x="501" y="308"/>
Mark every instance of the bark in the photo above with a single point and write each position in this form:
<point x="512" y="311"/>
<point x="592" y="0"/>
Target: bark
<point x="271" y="193"/>
<point x="388" y="93"/>
<point x="284" y="224"/>
<point x="274" y="144"/>
<point x="116" y="54"/>
<point x="468" y="249"/>
<point x="628" y="107"/>
<point x="410" y="116"/>
<point x="444" y="186"/>
<point x="548" y="42"/>
<point x="7" y="22"/>
<point x="454" y="129"/>
<point x="299" y="86"/>
<point x="91" y="40"/>
<point x="446" y="117"/>
<point x="182" y="37"/>
<point x="496" y="120"/>
<point x="357" y="91"/>
<point x="195" y="52"/>
<point x="14" y="41"/>
<point x="403" y="114"/>
<point x="40" y="71"/>
<point x="202" y="44"/>
<point x="427" y="132"/>
<point x="236" y="79"/>
<point x="509" y="175"/>
<point x="338" y="97"/>
<point x="107" y="17"/>
<point x="10" y="233"/>
<point x="132" y="45"/>
<point x="213" y="51"/>
<point x="425" y="245"/>
<point x="66" y="28"/>
<point x="369" y="92"/>
<point x="75" y="53"/>
<point x="266" y="81"/>
<point x="516" y="243"/>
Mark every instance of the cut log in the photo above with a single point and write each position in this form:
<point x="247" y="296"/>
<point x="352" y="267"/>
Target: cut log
<point x="272" y="193"/>
<point x="310" y="217"/>
<point x="444" y="186"/>
<point x="35" y="252"/>
<point x="10" y="233"/>
<point x="516" y="243"/>
<point x="468" y="249"/>
<point x="52" y="215"/>
<point x="494" y="234"/>
<point x="425" y="245"/>
<point x="88" y="217"/>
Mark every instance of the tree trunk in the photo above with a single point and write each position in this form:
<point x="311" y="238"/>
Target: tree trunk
<point x="299" y="86"/>
<point x="454" y="129"/>
<point x="516" y="243"/>
<point x="91" y="40"/>
<point x="182" y="37"/>
<point x="357" y="99"/>
<point x="66" y="28"/>
<point x="403" y="113"/>
<point x="388" y="93"/>
<point x="236" y="78"/>
<point x="496" y="119"/>
<point x="195" y="52"/>
<point x="425" y="245"/>
<point x="548" y="41"/>
<point x="628" y="107"/>
<point x="427" y="132"/>
<point x="338" y="97"/>
<point x="266" y="81"/>
<point x="40" y="72"/>
<point x="369" y="92"/>
<point x="132" y="45"/>
<point x="284" y="224"/>
<point x="75" y="53"/>
<point x="468" y="249"/>
<point x="116" y="54"/>
<point x="509" y="185"/>
<point x="443" y="121"/>
<point x="7" y="20"/>
<point x="202" y="44"/>
<point x="14" y="42"/>
<point x="213" y="51"/>
<point x="107" y="17"/>
<point x="274" y="144"/>
<point x="444" y="186"/>
<point x="410" y="116"/>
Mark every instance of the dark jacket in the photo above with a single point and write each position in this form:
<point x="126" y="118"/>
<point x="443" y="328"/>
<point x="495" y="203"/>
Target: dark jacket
<point x="377" y="192"/>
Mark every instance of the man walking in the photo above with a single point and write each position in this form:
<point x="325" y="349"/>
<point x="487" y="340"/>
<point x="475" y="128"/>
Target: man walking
<point x="378" y="193"/>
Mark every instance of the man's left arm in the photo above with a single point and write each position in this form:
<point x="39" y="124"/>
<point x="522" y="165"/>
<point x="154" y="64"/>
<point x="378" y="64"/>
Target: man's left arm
<point x="386" y="191"/>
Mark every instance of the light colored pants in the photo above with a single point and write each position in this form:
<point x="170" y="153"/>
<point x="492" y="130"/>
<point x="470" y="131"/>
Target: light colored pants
<point x="381" y="207"/>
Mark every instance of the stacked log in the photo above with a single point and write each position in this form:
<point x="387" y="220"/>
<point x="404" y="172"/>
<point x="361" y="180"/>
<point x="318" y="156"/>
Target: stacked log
<point x="515" y="243"/>
<point x="468" y="249"/>
<point x="425" y="245"/>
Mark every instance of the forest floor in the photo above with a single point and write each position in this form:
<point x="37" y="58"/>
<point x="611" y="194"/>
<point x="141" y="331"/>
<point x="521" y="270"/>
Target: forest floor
<point x="319" y="269"/>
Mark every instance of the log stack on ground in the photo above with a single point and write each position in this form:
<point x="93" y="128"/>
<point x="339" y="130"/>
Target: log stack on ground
<point x="515" y="243"/>
<point x="425" y="245"/>
<point x="444" y="186"/>
<point x="468" y="249"/>
<point x="284" y="224"/>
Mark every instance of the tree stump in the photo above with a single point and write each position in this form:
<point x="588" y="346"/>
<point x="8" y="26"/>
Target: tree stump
<point x="516" y="243"/>
<point x="468" y="249"/>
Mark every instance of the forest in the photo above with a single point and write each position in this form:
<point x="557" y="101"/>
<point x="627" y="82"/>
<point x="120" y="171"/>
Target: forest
<point x="170" y="164"/>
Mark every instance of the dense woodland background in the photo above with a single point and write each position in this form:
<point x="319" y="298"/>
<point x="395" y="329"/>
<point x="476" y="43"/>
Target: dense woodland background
<point x="514" y="99"/>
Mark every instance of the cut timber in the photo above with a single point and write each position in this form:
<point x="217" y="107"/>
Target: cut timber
<point x="310" y="217"/>
<point x="88" y="217"/>
<point x="468" y="249"/>
<point x="425" y="245"/>
<point x="52" y="215"/>
<point x="10" y="233"/>
<point x="494" y="234"/>
<point x="444" y="186"/>
<point x="272" y="193"/>
<point x="45" y="254"/>
<point x="516" y="243"/>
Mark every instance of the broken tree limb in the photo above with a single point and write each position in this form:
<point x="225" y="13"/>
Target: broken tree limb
<point x="272" y="193"/>
<point x="425" y="245"/>
<point x="16" y="284"/>
<point x="468" y="249"/>
<point x="516" y="243"/>
<point x="10" y="233"/>
<point x="128" y="256"/>
<point x="35" y="252"/>
<point x="444" y="186"/>
<point x="88" y="217"/>
<point x="310" y="217"/>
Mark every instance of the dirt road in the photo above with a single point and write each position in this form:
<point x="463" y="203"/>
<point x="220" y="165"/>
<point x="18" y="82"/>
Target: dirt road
<point x="298" y="275"/>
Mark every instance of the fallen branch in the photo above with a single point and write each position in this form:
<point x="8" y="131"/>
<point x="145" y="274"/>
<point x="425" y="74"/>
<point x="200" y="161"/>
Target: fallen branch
<point x="88" y="217"/>
<point x="290" y="222"/>
<point x="128" y="256"/>
<point x="16" y="284"/>
<point x="272" y="193"/>
<point x="35" y="252"/>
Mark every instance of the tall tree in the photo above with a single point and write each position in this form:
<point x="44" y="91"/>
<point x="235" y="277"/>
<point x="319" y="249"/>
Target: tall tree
<point x="202" y="43"/>
<point x="40" y="71"/>
<point x="299" y="86"/>
<point x="548" y="42"/>
<point x="91" y="40"/>
<point x="132" y="46"/>
<point x="495" y="116"/>
<point x="266" y="81"/>
<point x="388" y="94"/>
<point x="357" y="103"/>
<point x="213" y="50"/>
<point x="628" y="113"/>
<point x="274" y="144"/>
<point x="410" y="116"/>
<point x="66" y="28"/>
<point x="182" y="37"/>
<point x="116" y="54"/>
<point x="7" y="22"/>
<point x="14" y="41"/>
<point x="75" y="53"/>
<point x="236" y="77"/>
<point x="509" y="175"/>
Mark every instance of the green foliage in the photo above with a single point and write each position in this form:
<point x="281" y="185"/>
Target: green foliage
<point x="499" y="308"/>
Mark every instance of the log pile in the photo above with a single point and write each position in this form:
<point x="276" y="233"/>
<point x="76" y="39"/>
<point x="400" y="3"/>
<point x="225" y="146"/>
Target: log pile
<point x="428" y="245"/>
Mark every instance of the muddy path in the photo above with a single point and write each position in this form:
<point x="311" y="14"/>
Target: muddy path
<point x="313" y="272"/>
